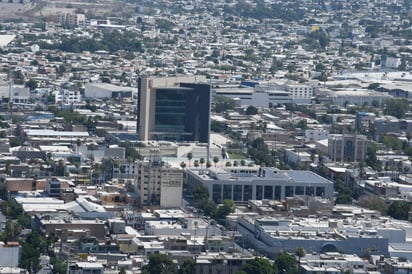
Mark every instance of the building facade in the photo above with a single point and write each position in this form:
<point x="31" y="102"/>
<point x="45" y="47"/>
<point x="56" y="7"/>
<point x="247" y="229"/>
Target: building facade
<point x="391" y="125"/>
<point x="242" y="184"/>
<point x="273" y="235"/>
<point x="300" y="93"/>
<point x="174" y="108"/>
<point x="347" y="148"/>
<point x="156" y="183"/>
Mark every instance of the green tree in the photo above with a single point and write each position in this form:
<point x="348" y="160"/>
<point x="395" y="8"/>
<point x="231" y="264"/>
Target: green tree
<point x="392" y="142"/>
<point x="32" y="247"/>
<point x="371" y="159"/>
<point x="217" y="126"/>
<point x="259" y="152"/>
<point x="188" y="266"/>
<point x="373" y="202"/>
<point x="201" y="161"/>
<point x="190" y="157"/>
<point x="302" y="124"/>
<point x="122" y="270"/>
<point x="300" y="252"/>
<point x="344" y="193"/>
<point x="31" y="84"/>
<point x="12" y="210"/>
<point x="159" y="264"/>
<point x="399" y="210"/>
<point x="15" y="141"/>
<point x="258" y="266"/>
<point x="207" y="206"/>
<point x="285" y="262"/>
<point x="396" y="107"/>
<point x="201" y="193"/>
<point x="251" y="110"/>
<point x="222" y="103"/>
<point x="12" y="231"/>
<point x="58" y="265"/>
<point x="224" y="210"/>
<point x="215" y="160"/>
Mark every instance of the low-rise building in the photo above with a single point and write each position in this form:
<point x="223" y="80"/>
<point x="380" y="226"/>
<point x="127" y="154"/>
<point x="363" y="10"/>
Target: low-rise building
<point x="353" y="235"/>
<point x="242" y="184"/>
<point x="105" y="90"/>
<point x="332" y="262"/>
<point x="86" y="268"/>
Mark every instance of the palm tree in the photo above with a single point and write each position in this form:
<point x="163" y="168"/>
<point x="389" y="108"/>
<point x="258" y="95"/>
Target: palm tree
<point x="300" y="252"/>
<point x="189" y="157"/>
<point x="196" y="163"/>
<point x="202" y="161"/>
<point x="182" y="165"/>
<point x="215" y="160"/>
<point x="223" y="153"/>
<point x="78" y="144"/>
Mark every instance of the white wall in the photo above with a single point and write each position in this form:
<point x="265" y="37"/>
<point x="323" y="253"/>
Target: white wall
<point x="9" y="256"/>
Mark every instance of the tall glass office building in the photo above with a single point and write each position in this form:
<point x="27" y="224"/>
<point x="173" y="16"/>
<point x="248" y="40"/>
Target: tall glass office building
<point x="174" y="109"/>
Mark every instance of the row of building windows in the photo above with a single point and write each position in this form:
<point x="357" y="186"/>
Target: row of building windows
<point x="245" y="192"/>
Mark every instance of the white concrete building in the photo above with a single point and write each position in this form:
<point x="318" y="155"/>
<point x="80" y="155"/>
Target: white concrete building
<point x="300" y="93"/>
<point x="67" y="97"/>
<point x="157" y="183"/>
<point x="105" y="90"/>
<point x="14" y="93"/>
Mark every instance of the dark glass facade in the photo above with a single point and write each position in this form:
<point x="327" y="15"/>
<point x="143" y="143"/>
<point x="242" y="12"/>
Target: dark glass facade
<point x="182" y="113"/>
<point x="170" y="111"/>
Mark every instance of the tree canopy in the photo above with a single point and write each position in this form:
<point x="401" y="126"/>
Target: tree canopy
<point x="111" y="41"/>
<point x="251" y="110"/>
<point x="224" y="210"/>
<point x="222" y="103"/>
<point x="188" y="266"/>
<point x="285" y="262"/>
<point x="399" y="210"/>
<point x="159" y="264"/>
<point x="258" y="266"/>
<point x="396" y="107"/>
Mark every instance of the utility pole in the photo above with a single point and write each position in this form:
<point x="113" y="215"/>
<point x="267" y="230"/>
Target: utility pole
<point x="10" y="95"/>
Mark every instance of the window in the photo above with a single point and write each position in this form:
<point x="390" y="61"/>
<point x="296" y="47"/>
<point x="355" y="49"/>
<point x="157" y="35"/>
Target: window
<point x="278" y="193"/>
<point x="289" y="191"/>
<point x="299" y="190"/>
<point x="310" y="190"/>
<point x="268" y="194"/>
<point x="227" y="192"/>
<point x="247" y="192"/>
<point x="217" y="193"/>
<point x="320" y="191"/>
<point x="259" y="194"/>
<point x="237" y="193"/>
